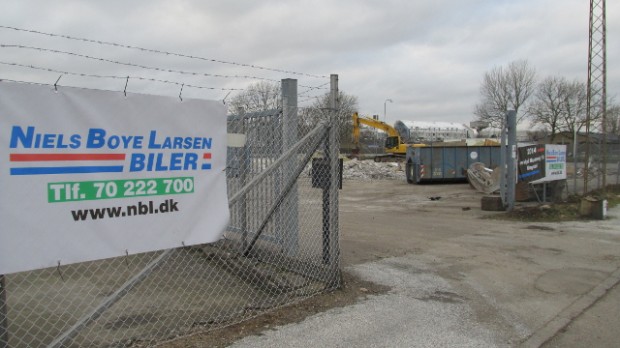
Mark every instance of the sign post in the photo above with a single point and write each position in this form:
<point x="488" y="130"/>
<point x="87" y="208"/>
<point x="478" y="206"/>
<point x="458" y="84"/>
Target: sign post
<point x="554" y="167"/>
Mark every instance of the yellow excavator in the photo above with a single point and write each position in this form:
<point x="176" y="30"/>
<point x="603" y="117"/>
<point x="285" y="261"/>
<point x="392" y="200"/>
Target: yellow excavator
<point x="395" y="148"/>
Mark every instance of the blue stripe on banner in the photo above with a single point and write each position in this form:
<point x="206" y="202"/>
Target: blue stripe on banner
<point x="66" y="170"/>
<point x="529" y="174"/>
<point x="206" y="166"/>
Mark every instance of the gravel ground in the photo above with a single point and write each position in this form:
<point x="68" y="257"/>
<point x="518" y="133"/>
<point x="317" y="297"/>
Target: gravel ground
<point x="424" y="272"/>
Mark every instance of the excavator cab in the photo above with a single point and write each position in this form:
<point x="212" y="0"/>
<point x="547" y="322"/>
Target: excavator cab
<point x="392" y="142"/>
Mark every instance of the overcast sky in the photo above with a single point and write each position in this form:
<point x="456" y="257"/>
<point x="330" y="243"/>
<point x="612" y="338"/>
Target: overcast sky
<point x="427" y="56"/>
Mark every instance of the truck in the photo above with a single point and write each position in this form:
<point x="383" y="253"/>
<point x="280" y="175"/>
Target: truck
<point x="395" y="148"/>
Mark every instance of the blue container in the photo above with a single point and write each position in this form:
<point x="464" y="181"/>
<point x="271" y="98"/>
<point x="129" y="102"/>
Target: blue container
<point x="447" y="163"/>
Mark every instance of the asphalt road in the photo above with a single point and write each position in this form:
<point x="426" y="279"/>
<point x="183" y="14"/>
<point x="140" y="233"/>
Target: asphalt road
<point x="459" y="279"/>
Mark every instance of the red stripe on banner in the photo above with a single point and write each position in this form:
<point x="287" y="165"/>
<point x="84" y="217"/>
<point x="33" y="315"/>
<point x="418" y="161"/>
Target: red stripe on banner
<point x="22" y="157"/>
<point x="206" y="155"/>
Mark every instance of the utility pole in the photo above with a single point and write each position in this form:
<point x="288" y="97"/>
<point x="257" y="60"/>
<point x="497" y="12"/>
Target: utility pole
<point x="597" y="94"/>
<point x="385" y="109"/>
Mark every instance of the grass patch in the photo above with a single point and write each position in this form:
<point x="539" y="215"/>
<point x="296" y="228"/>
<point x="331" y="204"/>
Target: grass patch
<point x="557" y="212"/>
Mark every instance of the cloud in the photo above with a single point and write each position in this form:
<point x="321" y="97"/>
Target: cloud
<point x="429" y="57"/>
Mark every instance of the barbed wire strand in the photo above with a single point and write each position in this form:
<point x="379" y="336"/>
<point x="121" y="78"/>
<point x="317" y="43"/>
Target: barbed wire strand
<point x="311" y="89"/>
<point x="150" y="50"/>
<point x="308" y="107"/>
<point x="182" y="72"/>
<point x="116" y="77"/>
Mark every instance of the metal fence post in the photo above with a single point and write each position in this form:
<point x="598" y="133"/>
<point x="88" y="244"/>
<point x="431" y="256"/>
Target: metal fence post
<point x="334" y="146"/>
<point x="502" y="164"/>
<point x="511" y="158"/>
<point x="4" y="316"/>
<point x="575" y="151"/>
<point x="330" y="189"/>
<point x="290" y="224"/>
<point x="508" y="159"/>
<point x="244" y="169"/>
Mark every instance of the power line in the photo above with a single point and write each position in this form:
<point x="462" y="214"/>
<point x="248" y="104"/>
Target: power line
<point x="99" y="42"/>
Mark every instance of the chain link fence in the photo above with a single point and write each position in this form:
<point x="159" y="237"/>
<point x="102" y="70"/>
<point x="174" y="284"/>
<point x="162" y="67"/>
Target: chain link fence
<point x="281" y="247"/>
<point x="586" y="174"/>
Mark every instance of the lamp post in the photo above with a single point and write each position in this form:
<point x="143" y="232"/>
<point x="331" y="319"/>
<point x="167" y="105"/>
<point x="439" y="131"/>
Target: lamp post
<point x="385" y="110"/>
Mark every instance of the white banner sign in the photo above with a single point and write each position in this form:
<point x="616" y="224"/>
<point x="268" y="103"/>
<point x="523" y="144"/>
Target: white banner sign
<point x="90" y="175"/>
<point x="555" y="163"/>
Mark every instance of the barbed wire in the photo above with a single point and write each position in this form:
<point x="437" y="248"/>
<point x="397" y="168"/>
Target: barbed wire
<point x="182" y="72"/>
<point x="311" y="89"/>
<point x="114" y="44"/>
<point x="116" y="77"/>
<point x="175" y="71"/>
<point x="308" y="89"/>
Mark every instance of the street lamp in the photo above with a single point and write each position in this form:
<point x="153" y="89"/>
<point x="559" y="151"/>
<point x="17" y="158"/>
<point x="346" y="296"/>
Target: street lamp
<point x="384" y="109"/>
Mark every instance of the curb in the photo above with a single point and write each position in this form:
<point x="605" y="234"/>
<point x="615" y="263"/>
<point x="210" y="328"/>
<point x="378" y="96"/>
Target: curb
<point x="570" y="313"/>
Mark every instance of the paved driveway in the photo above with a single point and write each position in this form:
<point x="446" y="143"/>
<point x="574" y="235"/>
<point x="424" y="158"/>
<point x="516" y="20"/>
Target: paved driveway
<point x="460" y="280"/>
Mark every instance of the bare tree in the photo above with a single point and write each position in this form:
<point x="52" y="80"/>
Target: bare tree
<point x="613" y="119"/>
<point x="505" y="89"/>
<point x="547" y="108"/>
<point x="574" y="106"/>
<point x="263" y="96"/>
<point x="257" y="97"/>
<point x="560" y="105"/>
<point x="310" y="116"/>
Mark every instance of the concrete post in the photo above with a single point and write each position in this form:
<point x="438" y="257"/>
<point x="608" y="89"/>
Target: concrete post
<point x="290" y="121"/>
<point x="243" y="170"/>
<point x="511" y="158"/>
<point x="575" y="159"/>
<point x="334" y="144"/>
<point x="508" y="160"/>
<point x="503" y="182"/>
<point x="330" y="190"/>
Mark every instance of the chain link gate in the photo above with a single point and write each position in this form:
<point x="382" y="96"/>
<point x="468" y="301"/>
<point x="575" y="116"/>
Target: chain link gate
<point x="281" y="247"/>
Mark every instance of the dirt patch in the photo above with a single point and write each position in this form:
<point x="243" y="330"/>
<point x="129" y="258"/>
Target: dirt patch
<point x="544" y="213"/>
<point x="354" y="289"/>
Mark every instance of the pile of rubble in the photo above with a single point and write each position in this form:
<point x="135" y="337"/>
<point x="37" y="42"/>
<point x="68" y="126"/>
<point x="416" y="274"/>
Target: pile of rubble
<point x="371" y="170"/>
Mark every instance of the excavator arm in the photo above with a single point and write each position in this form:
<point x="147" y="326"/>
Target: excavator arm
<point x="371" y="122"/>
<point x="393" y="144"/>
